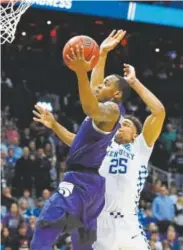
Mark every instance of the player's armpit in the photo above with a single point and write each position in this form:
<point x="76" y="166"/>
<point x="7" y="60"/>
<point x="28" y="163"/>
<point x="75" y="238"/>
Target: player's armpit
<point x="153" y="126"/>
<point x="106" y="112"/>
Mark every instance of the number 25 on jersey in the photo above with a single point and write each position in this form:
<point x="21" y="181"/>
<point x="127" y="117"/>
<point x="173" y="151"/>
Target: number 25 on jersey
<point x="118" y="166"/>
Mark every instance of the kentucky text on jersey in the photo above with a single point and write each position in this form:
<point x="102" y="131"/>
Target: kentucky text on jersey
<point x="121" y="152"/>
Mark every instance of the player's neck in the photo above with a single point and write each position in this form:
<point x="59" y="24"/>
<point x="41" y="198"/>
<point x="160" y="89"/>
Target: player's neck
<point x="122" y="142"/>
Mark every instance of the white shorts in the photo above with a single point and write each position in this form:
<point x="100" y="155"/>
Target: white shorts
<point x="117" y="232"/>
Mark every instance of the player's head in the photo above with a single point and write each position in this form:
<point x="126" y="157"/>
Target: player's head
<point x="130" y="128"/>
<point x="114" y="88"/>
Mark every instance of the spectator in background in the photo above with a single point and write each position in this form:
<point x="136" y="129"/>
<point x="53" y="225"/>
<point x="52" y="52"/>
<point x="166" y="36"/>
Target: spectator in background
<point x="163" y="209"/>
<point x="168" y="137"/>
<point x="63" y="242"/>
<point x="148" y="218"/>
<point x="27" y="197"/>
<point x="166" y="245"/>
<point x="4" y="142"/>
<point x="25" y="212"/>
<point x="179" y="214"/>
<point x="176" y="162"/>
<point x="46" y="195"/>
<point x="173" y="194"/>
<point x="7" y="199"/>
<point x="151" y="228"/>
<point x="26" y="138"/>
<point x="6" y="89"/>
<point x="24" y="172"/>
<point x="6" y="80"/>
<point x="31" y="226"/>
<point x="12" y="133"/>
<point x="10" y="163"/>
<point x="172" y="240"/>
<point x="156" y="187"/>
<point x="38" y="208"/>
<point x="152" y="245"/>
<point x="13" y="219"/>
<point x="6" y="240"/>
<point x="42" y="172"/>
<point x="32" y="149"/>
<point x="17" y="149"/>
<point x="48" y="150"/>
<point x="67" y="243"/>
<point x="21" y="239"/>
<point x="10" y="158"/>
<point x="41" y="141"/>
<point x="5" y="172"/>
<point x="156" y="238"/>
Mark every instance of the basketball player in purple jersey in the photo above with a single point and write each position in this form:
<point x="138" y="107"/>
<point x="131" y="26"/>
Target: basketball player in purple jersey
<point x="80" y="196"/>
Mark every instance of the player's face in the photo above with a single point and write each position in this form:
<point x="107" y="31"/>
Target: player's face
<point x="127" y="133"/>
<point x="107" y="91"/>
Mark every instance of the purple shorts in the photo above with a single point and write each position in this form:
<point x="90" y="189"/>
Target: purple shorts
<point x="76" y="205"/>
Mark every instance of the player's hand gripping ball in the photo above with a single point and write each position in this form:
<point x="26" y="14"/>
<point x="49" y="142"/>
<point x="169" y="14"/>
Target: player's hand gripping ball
<point x="90" y="47"/>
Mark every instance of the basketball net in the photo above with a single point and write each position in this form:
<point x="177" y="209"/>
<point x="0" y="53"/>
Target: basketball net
<point x="12" y="10"/>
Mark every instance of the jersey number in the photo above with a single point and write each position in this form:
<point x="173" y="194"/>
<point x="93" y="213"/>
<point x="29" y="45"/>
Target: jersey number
<point x="118" y="166"/>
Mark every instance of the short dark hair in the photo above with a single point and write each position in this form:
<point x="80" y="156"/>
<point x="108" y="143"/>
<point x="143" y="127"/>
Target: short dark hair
<point x="136" y="122"/>
<point x="123" y="86"/>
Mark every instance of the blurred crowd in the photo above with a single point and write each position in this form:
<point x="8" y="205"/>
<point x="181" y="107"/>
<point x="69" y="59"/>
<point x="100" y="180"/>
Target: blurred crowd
<point x="33" y="158"/>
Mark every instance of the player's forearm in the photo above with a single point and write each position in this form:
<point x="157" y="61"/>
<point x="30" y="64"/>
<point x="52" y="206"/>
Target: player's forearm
<point x="88" y="101"/>
<point x="148" y="97"/>
<point x="65" y="135"/>
<point x="97" y="75"/>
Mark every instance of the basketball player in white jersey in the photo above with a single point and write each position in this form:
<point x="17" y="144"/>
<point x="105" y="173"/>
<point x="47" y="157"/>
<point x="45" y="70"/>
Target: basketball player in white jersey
<point x="125" y="168"/>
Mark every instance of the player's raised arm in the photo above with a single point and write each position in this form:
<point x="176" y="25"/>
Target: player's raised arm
<point x="47" y="119"/>
<point x="154" y="123"/>
<point x="91" y="107"/>
<point x="107" y="45"/>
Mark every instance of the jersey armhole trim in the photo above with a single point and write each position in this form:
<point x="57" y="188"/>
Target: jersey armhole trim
<point x="99" y="130"/>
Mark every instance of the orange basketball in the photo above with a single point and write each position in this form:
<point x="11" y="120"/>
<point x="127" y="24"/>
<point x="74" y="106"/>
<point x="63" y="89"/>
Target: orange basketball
<point x="90" y="48"/>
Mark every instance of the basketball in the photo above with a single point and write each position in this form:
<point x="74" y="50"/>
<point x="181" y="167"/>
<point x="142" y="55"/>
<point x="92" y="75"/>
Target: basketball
<point x="90" y="48"/>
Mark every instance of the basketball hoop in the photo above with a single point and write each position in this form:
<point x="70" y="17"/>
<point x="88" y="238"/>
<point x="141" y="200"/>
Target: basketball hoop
<point x="12" y="10"/>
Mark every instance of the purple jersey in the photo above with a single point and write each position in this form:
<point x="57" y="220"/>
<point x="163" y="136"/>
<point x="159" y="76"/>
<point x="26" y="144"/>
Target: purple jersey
<point x="89" y="146"/>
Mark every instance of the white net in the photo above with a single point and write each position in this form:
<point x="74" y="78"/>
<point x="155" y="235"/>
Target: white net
<point x="10" y="14"/>
<point x="12" y="10"/>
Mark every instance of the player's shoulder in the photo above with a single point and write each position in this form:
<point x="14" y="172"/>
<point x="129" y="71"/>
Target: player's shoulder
<point x="140" y="144"/>
<point x="111" y="106"/>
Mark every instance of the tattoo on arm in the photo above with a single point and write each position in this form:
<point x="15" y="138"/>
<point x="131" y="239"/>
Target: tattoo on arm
<point x="108" y="112"/>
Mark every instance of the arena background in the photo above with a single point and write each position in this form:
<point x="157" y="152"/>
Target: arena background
<point x="33" y="158"/>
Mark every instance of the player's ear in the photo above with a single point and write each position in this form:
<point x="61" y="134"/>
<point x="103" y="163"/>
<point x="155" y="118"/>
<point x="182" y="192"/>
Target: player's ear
<point x="117" y="95"/>
<point x="134" y="136"/>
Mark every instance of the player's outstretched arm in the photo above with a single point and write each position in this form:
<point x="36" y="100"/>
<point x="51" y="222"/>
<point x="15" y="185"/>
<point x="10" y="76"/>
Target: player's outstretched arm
<point x="107" y="45"/>
<point x="47" y="119"/>
<point x="154" y="123"/>
<point x="91" y="107"/>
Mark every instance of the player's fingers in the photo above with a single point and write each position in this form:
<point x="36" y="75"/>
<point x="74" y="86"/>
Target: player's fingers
<point x="69" y="58"/>
<point x="82" y="52"/>
<point x="117" y="34"/>
<point x="112" y="33"/>
<point x="78" y="55"/>
<point x="39" y="108"/>
<point x="92" y="59"/>
<point x="38" y="115"/>
<point x="37" y="120"/>
<point x="73" y="53"/>
<point x="121" y="35"/>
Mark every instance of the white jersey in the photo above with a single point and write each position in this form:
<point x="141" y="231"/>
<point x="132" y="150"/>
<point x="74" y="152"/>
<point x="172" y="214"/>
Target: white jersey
<point x="125" y="170"/>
